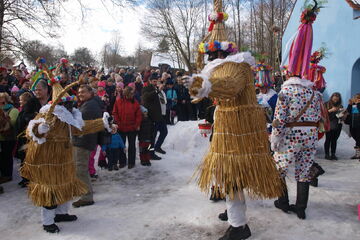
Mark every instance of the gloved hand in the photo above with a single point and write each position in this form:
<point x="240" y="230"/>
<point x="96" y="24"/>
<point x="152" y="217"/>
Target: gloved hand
<point x="107" y="121"/>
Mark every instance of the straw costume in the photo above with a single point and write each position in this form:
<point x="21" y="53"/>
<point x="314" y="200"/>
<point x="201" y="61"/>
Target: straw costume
<point x="49" y="163"/>
<point x="297" y="115"/>
<point x="239" y="158"/>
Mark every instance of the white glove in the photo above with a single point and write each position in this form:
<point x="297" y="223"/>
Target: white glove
<point x="43" y="128"/>
<point x="106" y="117"/>
<point x="188" y="81"/>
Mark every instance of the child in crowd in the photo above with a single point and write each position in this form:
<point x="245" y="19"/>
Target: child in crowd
<point x="171" y="97"/>
<point x="113" y="151"/>
<point x="145" y="136"/>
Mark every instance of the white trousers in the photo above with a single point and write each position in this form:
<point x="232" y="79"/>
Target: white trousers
<point x="236" y="209"/>
<point x="48" y="215"/>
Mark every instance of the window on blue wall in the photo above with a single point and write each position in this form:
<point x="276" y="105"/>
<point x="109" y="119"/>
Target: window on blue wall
<point x="356" y="14"/>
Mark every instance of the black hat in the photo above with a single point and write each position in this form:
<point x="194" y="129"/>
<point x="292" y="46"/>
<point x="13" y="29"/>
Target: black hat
<point x="154" y="76"/>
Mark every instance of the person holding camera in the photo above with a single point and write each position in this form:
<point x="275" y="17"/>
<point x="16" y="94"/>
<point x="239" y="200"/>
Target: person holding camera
<point x="335" y="110"/>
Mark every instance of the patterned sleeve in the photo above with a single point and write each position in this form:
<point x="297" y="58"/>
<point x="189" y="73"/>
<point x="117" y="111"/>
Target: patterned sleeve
<point x="281" y="113"/>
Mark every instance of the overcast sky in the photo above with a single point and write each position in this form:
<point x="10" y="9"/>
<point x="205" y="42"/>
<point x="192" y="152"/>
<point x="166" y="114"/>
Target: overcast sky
<point x="97" y="27"/>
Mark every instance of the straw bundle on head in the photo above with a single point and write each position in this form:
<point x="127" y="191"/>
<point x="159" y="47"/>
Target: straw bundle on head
<point x="216" y="40"/>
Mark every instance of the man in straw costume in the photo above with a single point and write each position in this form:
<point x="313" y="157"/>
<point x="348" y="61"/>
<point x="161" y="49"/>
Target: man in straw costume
<point x="49" y="163"/>
<point x="297" y="115"/>
<point x="239" y="158"/>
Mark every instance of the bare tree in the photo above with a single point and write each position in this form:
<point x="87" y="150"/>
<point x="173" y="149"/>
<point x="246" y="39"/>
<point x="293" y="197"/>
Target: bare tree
<point x="179" y="22"/>
<point x="42" y="16"/>
<point x="83" y="56"/>
<point x="34" y="49"/>
<point x="111" y="53"/>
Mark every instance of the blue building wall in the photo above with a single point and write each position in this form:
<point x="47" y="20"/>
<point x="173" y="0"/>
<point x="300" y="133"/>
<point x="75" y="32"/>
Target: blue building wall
<point x="336" y="28"/>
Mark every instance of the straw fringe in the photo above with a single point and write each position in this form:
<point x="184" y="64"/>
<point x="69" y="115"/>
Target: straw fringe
<point x="239" y="156"/>
<point x="229" y="79"/>
<point x="50" y="167"/>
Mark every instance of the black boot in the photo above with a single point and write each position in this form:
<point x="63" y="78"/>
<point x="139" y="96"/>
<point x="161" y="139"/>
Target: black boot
<point x="237" y="233"/>
<point x="314" y="182"/>
<point x="154" y="156"/>
<point x="302" y="197"/>
<point x="283" y="202"/>
<point x="1" y="190"/>
<point x="315" y="171"/>
<point x="65" y="218"/>
<point x="53" y="228"/>
<point x="223" y="216"/>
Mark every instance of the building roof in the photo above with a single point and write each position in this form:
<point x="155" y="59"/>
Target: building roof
<point x="355" y="4"/>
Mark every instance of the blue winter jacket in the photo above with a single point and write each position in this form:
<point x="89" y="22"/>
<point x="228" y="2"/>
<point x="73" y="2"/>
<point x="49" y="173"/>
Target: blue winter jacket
<point x="116" y="142"/>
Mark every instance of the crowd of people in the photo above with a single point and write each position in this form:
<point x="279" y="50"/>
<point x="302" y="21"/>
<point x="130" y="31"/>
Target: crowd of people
<point x="79" y="114"/>
<point x="144" y="103"/>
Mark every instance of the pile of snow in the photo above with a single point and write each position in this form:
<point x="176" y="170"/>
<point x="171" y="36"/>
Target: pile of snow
<point x="162" y="202"/>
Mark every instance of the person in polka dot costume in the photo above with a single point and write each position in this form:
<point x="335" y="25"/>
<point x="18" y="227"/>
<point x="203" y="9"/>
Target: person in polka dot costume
<point x="296" y="119"/>
<point x="295" y="141"/>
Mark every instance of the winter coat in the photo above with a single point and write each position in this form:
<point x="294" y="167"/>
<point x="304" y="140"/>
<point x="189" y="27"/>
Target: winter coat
<point x="151" y="102"/>
<point x="146" y="130"/>
<point x="171" y="97"/>
<point x="334" y="120"/>
<point x="182" y="93"/>
<point x="90" y="110"/>
<point x="128" y="78"/>
<point x="353" y="119"/>
<point x="127" y="115"/>
<point x="110" y="90"/>
<point x="116" y="142"/>
<point x="29" y="111"/>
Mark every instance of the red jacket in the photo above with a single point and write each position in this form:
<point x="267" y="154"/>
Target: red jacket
<point x="127" y="115"/>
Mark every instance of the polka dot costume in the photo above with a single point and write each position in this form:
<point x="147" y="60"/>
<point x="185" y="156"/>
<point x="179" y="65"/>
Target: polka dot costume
<point x="298" y="143"/>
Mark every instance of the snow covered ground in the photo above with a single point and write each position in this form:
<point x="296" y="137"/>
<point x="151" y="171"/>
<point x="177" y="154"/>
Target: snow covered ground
<point x="163" y="202"/>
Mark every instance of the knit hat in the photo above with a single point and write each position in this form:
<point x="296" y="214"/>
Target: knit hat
<point x="132" y="85"/>
<point x="300" y="51"/>
<point x="14" y="89"/>
<point x="101" y="84"/>
<point x="120" y="84"/>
